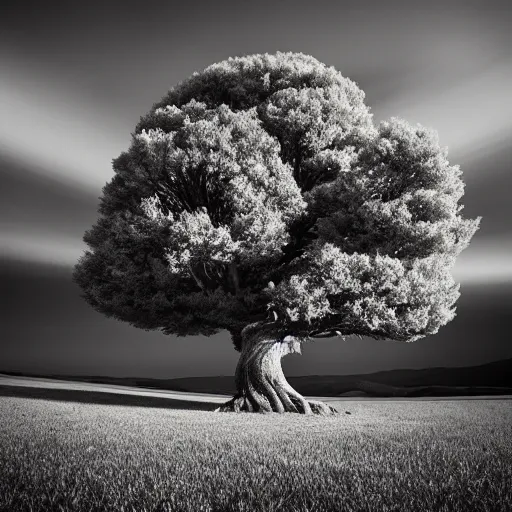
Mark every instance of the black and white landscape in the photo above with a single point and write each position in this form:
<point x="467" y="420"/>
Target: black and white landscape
<point x="192" y="191"/>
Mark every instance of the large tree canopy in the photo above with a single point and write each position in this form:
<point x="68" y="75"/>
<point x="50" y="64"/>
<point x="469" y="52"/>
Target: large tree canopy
<point x="260" y="187"/>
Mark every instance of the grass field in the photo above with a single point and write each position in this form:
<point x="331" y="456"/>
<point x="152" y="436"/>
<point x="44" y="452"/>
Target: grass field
<point x="384" y="456"/>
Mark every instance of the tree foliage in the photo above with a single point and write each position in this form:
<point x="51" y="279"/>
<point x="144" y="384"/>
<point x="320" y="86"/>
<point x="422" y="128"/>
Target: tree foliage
<point x="261" y="186"/>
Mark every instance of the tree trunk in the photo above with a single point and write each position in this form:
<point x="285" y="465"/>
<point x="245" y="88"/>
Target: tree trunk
<point x="260" y="381"/>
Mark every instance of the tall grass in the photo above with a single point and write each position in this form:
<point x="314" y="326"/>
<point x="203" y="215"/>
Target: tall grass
<point x="391" y="456"/>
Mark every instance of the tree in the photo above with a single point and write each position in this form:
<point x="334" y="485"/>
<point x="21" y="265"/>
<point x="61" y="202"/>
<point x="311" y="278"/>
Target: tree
<point x="258" y="197"/>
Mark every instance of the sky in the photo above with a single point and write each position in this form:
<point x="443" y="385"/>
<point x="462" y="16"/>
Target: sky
<point x="77" y="76"/>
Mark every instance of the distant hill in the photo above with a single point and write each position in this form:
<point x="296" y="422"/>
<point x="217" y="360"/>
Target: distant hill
<point x="488" y="379"/>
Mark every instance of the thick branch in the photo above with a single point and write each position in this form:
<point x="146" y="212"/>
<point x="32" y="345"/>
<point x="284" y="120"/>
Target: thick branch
<point x="196" y="279"/>
<point x="329" y="330"/>
<point x="233" y="271"/>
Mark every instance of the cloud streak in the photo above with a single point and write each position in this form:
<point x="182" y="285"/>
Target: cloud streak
<point x="471" y="116"/>
<point x="55" y="131"/>
<point x="40" y="248"/>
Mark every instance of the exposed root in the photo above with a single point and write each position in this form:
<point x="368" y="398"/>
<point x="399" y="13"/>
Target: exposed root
<point x="243" y="404"/>
<point x="261" y="384"/>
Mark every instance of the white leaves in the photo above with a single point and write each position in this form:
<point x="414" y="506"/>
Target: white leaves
<point x="225" y="163"/>
<point x="260" y="233"/>
<point x="152" y="208"/>
<point x="404" y="158"/>
<point x="266" y="80"/>
<point x="299" y="300"/>
<point x="316" y="116"/>
<point x="194" y="238"/>
<point x="371" y="294"/>
<point x="400" y="198"/>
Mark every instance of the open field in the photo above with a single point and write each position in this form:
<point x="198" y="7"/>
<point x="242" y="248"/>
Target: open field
<point x="62" y="453"/>
<point x="66" y="453"/>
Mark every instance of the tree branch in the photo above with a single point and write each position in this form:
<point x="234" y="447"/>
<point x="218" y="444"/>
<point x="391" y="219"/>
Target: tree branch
<point x="233" y="271"/>
<point x="197" y="280"/>
<point x="325" y="334"/>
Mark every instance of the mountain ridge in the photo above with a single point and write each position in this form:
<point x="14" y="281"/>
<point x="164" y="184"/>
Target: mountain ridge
<point x="486" y="379"/>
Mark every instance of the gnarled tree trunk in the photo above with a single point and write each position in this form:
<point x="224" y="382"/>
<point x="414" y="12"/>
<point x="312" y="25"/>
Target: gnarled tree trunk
<point x="260" y="381"/>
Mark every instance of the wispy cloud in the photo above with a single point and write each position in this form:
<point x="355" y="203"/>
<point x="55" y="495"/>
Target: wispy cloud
<point x="41" y="248"/>
<point x="55" y="130"/>
<point x="486" y="261"/>
<point x="472" y="116"/>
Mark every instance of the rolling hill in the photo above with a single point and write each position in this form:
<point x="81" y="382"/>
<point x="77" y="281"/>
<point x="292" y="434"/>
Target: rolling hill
<point x="488" y="379"/>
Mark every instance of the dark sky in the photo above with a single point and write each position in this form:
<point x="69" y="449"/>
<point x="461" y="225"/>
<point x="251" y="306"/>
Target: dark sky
<point x="76" y="77"/>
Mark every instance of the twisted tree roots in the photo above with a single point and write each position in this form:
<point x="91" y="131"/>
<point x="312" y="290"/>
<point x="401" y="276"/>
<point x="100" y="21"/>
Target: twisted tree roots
<point x="260" y="381"/>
